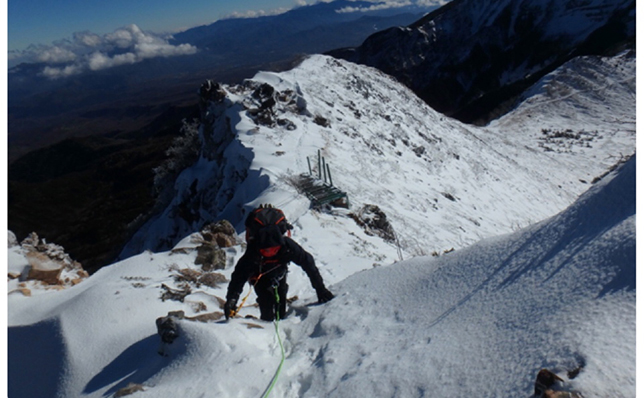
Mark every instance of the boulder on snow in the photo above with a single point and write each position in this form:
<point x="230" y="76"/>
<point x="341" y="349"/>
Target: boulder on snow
<point x="175" y="294"/>
<point x="374" y="222"/>
<point x="210" y="257"/>
<point x="212" y="279"/>
<point x="264" y="91"/>
<point x="223" y="226"/>
<point x="547" y="386"/>
<point x="211" y="91"/>
<point x="214" y="237"/>
<point x="222" y="233"/>
<point x="167" y="329"/>
<point x="44" y="268"/>
<point x="49" y="261"/>
<point x="25" y="291"/>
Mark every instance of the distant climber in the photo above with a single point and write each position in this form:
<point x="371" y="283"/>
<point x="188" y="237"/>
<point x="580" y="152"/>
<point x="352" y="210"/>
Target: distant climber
<point x="265" y="264"/>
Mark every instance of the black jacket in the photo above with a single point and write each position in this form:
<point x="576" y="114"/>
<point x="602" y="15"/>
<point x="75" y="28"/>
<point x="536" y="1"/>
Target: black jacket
<point x="251" y="265"/>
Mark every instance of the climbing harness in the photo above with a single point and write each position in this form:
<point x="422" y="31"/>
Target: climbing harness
<point x="279" y="340"/>
<point x="253" y="282"/>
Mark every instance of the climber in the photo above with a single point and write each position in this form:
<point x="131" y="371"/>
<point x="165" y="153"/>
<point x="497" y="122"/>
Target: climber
<point x="265" y="264"/>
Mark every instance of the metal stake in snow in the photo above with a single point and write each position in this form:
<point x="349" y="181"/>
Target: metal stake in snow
<point x="328" y="170"/>
<point x="324" y="168"/>
<point x="319" y="165"/>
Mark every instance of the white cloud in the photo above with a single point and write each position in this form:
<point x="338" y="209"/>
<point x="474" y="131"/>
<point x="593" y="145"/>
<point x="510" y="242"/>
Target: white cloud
<point x="98" y="61"/>
<point x="89" y="51"/>
<point x="378" y="5"/>
<point x="257" y="13"/>
<point x="55" y="73"/>
<point x="152" y="50"/>
<point x="123" y="38"/>
<point x="88" y="39"/>
<point x="56" y="55"/>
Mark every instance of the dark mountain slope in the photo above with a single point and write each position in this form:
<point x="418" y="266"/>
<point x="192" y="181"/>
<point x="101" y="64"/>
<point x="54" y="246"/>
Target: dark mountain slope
<point x="89" y="194"/>
<point x="470" y="56"/>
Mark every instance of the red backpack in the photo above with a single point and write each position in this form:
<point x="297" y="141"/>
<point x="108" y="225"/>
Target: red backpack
<point x="265" y="228"/>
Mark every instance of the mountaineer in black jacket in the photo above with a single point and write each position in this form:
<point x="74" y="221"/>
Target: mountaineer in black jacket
<point x="265" y="265"/>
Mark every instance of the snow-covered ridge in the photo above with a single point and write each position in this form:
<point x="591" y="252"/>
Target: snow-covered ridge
<point x="386" y="147"/>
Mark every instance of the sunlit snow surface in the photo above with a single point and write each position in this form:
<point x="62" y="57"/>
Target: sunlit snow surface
<point x="516" y="295"/>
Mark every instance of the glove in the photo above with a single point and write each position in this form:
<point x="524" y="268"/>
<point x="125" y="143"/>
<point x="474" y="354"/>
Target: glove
<point x="324" y="295"/>
<point x="230" y="307"/>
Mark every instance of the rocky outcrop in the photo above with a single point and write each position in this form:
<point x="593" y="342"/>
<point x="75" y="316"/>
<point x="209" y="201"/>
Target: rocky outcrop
<point x="48" y="263"/>
<point x="214" y="237"/>
<point x="221" y="233"/>
<point x="44" y="268"/>
<point x="374" y="221"/>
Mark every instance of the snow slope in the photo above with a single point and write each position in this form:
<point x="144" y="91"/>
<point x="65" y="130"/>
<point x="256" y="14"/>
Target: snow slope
<point x="482" y="321"/>
<point x="477" y="322"/>
<point x="387" y="147"/>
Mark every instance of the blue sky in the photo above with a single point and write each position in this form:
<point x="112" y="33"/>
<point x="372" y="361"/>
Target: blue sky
<point x="46" y="21"/>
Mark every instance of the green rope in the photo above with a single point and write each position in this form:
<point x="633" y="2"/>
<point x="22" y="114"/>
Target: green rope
<point x="279" y="339"/>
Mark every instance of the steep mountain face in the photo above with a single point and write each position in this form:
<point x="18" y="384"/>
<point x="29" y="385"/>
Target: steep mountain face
<point x="387" y="147"/>
<point x="468" y="57"/>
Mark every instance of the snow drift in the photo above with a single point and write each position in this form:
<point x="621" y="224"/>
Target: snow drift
<point x="476" y="322"/>
<point x="483" y="321"/>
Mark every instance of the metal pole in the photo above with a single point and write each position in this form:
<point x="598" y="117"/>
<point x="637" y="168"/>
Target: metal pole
<point x="324" y="168"/>
<point x="309" y="162"/>
<point x="319" y="165"/>
<point x="328" y="170"/>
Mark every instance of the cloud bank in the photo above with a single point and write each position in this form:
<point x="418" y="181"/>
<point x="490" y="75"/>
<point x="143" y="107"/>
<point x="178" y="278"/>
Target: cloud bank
<point x="386" y="4"/>
<point x="87" y="51"/>
<point x="256" y="13"/>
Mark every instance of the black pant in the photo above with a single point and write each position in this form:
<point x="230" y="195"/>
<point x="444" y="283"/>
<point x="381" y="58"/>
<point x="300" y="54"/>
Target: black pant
<point x="265" y="290"/>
